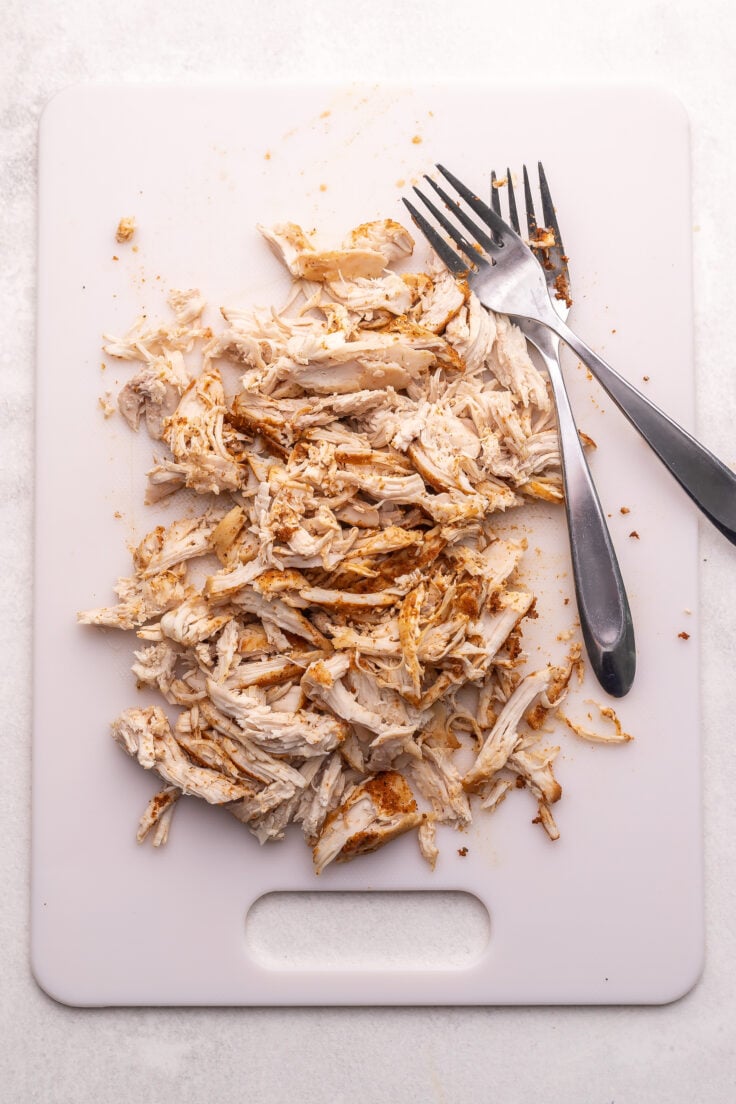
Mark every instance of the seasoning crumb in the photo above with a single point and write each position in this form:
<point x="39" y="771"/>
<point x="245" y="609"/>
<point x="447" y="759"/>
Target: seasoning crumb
<point x="400" y="183"/>
<point x="566" y="602"/>
<point x="115" y="257"/>
<point x="267" y="155"/>
<point x="416" y="140"/>
<point x="323" y="187"/>
<point x="325" y="114"/>
<point x="117" y="514"/>
<point x="103" y="366"/>
<point x="125" y="230"/>
<point x="645" y="378"/>
<point x="684" y="635"/>
<point x="501" y="183"/>
<point x="134" y="248"/>
<point x="625" y="510"/>
<point x="462" y="851"/>
<point x="634" y="534"/>
<point x="613" y="331"/>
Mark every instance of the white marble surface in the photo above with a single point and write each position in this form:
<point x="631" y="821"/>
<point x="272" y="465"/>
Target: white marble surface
<point x="679" y="1053"/>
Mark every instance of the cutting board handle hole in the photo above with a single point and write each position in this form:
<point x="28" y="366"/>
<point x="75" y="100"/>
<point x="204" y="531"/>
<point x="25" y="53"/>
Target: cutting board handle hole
<point x="402" y="930"/>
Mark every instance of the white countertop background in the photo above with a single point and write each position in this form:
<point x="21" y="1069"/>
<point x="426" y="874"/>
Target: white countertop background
<point x="685" y="1052"/>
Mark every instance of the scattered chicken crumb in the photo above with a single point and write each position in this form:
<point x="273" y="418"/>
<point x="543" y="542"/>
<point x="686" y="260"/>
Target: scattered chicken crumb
<point x="543" y="238"/>
<point x="117" y="514"/>
<point x="323" y="187"/>
<point x="115" y="257"/>
<point x="645" y="378"/>
<point x="684" y="635"/>
<point x="634" y="535"/>
<point x="416" y="139"/>
<point x="462" y="851"/>
<point x="125" y="230"/>
<point x="625" y="510"/>
<point x="587" y="440"/>
<point x="562" y="289"/>
<point x="105" y="405"/>
<point x="267" y="155"/>
<point x="501" y="182"/>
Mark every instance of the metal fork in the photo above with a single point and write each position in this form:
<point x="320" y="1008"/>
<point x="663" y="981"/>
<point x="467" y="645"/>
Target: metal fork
<point x="605" y="617"/>
<point x="508" y="280"/>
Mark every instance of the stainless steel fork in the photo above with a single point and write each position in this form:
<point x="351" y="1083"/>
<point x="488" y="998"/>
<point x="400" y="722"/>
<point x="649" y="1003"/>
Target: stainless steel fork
<point x="605" y="617"/>
<point x="506" y="277"/>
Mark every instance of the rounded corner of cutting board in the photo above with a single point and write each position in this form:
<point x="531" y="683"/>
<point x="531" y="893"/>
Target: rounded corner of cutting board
<point x="64" y="100"/>
<point x="687" y="975"/>
<point x="51" y="981"/>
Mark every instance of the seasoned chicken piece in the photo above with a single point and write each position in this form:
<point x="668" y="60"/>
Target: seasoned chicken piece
<point x="323" y="682"/>
<point x="427" y="836"/>
<point x="268" y="815"/>
<point x="156" y="666"/>
<point x="511" y="364"/>
<point x="146" y="736"/>
<point x="274" y="611"/>
<point x="296" y="734"/>
<point x="375" y="812"/>
<point x="292" y="246"/>
<point x="226" y="537"/>
<point x="532" y="761"/>
<point x="155" y="390"/>
<point x="193" y="621"/>
<point x="438" y="780"/>
<point x="321" y="797"/>
<point x="140" y="600"/>
<point x="385" y="295"/>
<point x="201" y="441"/>
<point x="162" y="549"/>
<point x="472" y="332"/>
<point x="504" y="736"/>
<point x="386" y="236"/>
<point x="145" y="343"/>
<point x="441" y="301"/>
<point x="157" y="817"/>
<point x="443" y="449"/>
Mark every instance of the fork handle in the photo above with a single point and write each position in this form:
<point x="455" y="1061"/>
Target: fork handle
<point x="705" y="478"/>
<point x="605" y="616"/>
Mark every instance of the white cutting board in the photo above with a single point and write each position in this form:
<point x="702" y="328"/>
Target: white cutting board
<point x="612" y="912"/>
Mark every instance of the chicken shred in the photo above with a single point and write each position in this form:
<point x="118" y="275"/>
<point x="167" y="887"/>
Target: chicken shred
<point x="349" y="592"/>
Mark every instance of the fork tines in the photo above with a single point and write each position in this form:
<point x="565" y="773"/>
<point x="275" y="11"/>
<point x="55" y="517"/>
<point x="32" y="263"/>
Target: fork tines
<point x="502" y="232"/>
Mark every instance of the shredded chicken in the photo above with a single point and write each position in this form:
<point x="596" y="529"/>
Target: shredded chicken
<point x="341" y="621"/>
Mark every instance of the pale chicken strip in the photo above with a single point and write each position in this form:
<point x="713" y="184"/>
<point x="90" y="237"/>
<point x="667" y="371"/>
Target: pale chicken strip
<point x="146" y="736"/>
<point x="503" y="737"/>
